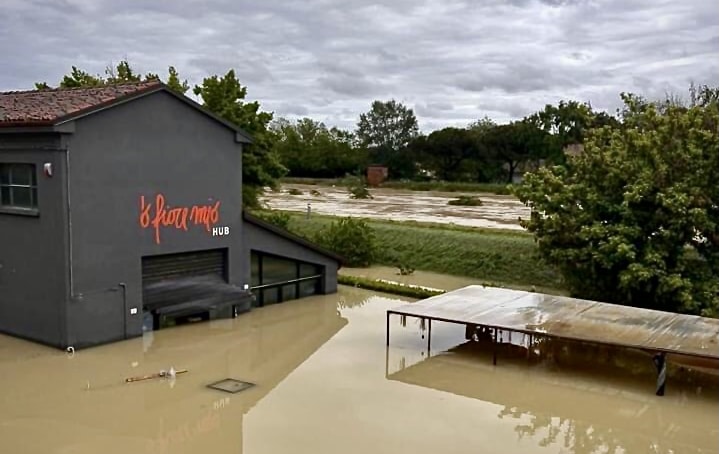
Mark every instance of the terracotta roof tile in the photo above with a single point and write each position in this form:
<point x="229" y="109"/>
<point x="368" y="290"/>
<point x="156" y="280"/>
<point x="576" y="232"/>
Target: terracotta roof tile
<point x="18" y="108"/>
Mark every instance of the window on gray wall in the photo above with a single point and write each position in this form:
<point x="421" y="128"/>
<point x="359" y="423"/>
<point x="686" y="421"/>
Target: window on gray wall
<point x="18" y="186"/>
<point x="277" y="279"/>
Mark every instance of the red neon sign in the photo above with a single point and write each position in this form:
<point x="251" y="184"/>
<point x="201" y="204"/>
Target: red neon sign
<point x="157" y="215"/>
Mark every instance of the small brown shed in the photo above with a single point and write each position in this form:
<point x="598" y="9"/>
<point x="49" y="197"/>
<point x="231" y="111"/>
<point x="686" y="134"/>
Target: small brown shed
<point x="376" y="174"/>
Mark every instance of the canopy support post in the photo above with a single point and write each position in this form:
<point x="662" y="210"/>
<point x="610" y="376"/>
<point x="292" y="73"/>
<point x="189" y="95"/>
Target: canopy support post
<point x="494" y="348"/>
<point x="660" y="362"/>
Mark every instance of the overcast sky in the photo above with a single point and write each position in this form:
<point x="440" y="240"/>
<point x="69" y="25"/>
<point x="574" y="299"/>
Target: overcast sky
<point x="451" y="61"/>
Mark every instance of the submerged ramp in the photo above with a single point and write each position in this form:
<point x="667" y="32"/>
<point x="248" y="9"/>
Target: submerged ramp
<point x="572" y="319"/>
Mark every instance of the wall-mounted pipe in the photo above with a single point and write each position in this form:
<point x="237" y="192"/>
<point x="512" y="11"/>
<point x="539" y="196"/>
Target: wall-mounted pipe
<point x="123" y="286"/>
<point x="69" y="221"/>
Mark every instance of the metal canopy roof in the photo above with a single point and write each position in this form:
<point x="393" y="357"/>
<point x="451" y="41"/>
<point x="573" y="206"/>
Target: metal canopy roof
<point x="571" y="318"/>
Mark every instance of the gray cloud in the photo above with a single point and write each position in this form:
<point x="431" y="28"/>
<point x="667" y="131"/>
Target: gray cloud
<point x="453" y="61"/>
<point x="293" y="110"/>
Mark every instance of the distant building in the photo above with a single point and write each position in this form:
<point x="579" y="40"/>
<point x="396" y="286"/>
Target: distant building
<point x="376" y="175"/>
<point x="121" y="210"/>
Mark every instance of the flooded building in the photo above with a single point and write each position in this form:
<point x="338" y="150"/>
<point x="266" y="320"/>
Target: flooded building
<point x="121" y="211"/>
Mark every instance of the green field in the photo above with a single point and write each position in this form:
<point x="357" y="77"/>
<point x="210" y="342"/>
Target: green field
<point x="499" y="257"/>
<point x="442" y="186"/>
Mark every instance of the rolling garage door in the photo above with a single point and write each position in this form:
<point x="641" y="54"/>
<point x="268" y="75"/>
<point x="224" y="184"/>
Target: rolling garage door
<point x="189" y="284"/>
<point x="211" y="264"/>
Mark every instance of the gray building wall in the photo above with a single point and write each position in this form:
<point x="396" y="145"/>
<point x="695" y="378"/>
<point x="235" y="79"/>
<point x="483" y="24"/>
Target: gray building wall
<point x="155" y="144"/>
<point x="72" y="274"/>
<point x="255" y="238"/>
<point x="33" y="272"/>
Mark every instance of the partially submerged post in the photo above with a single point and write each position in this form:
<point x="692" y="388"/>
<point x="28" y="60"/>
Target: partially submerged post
<point x="660" y="361"/>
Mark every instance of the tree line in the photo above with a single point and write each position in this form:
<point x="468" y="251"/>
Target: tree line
<point x="388" y="134"/>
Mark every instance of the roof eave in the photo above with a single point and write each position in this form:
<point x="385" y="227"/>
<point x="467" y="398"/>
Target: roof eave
<point x="241" y="136"/>
<point x="109" y="104"/>
<point x="35" y="127"/>
<point x="292" y="237"/>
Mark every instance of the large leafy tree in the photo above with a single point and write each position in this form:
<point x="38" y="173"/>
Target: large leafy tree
<point x="516" y="143"/>
<point x="568" y="121"/>
<point x="175" y="83"/>
<point x="309" y="149"/>
<point x="635" y="218"/>
<point x="386" y="130"/>
<point x="484" y="164"/>
<point x="261" y="166"/>
<point x="446" y="151"/>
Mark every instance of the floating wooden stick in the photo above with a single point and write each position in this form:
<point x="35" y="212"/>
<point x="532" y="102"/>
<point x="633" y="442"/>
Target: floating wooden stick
<point x="162" y="374"/>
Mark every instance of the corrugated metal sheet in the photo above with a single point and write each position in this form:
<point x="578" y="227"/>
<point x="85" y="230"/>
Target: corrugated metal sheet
<point x="572" y="318"/>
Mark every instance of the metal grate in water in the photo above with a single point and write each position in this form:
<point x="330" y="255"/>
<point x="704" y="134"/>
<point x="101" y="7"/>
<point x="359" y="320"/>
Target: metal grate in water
<point x="231" y="385"/>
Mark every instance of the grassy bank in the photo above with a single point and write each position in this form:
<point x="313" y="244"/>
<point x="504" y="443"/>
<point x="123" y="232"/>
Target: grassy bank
<point x="442" y="186"/>
<point x="495" y="256"/>
<point x="387" y="287"/>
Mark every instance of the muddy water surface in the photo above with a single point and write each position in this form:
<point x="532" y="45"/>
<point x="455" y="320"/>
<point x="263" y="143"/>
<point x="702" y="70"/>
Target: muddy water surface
<point x="400" y="205"/>
<point x="325" y="383"/>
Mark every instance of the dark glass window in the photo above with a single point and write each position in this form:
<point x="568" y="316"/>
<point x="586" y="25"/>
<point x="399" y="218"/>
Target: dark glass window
<point x="278" y="279"/>
<point x="308" y="270"/>
<point x="270" y="296"/>
<point x="255" y="269"/>
<point x="308" y="288"/>
<point x="275" y="270"/>
<point x="289" y="292"/>
<point x="18" y="186"/>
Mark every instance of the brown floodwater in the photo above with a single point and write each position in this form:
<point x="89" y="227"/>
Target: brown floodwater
<point x="497" y="211"/>
<point x="326" y="383"/>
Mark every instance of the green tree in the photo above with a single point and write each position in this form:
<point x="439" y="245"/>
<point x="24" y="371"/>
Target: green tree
<point x="123" y="72"/>
<point x="79" y="78"/>
<point x="446" y="151"/>
<point x="516" y="143"/>
<point x="385" y="131"/>
<point x="261" y="166"/>
<point x="175" y="83"/>
<point x="482" y="125"/>
<point x="309" y="149"/>
<point x="635" y="218"/>
<point x="568" y="121"/>
<point x="484" y="165"/>
<point x="350" y="238"/>
<point x="567" y="124"/>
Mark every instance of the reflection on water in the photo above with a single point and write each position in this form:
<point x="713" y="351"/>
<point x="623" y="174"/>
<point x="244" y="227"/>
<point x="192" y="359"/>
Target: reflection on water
<point x="576" y="398"/>
<point x="322" y="386"/>
<point x="502" y="212"/>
